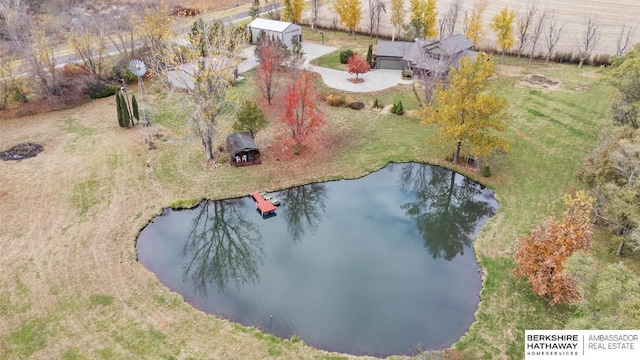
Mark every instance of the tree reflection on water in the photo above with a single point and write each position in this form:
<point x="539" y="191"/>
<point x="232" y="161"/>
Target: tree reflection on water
<point x="223" y="245"/>
<point x="446" y="211"/>
<point x="303" y="208"/>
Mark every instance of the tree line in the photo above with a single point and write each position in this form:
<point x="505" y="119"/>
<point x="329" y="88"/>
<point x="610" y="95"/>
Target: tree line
<point x="527" y="32"/>
<point x="555" y="257"/>
<point x="33" y="33"/>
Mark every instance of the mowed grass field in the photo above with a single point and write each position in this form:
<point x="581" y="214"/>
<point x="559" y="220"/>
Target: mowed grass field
<point x="71" y="286"/>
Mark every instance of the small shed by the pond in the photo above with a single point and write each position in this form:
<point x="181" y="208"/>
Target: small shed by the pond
<point x="242" y="149"/>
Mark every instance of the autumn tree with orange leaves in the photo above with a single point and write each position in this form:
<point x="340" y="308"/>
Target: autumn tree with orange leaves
<point x="540" y="256"/>
<point x="356" y="64"/>
<point x="301" y="116"/>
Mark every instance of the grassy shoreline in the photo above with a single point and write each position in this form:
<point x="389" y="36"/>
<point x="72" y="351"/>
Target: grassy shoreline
<point x="73" y="289"/>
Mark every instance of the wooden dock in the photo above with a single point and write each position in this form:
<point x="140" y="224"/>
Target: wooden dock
<point x="264" y="206"/>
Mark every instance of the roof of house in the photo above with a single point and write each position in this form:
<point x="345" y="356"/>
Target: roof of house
<point x="239" y="142"/>
<point x="438" y="55"/>
<point x="271" y="25"/>
<point x="392" y="48"/>
<point x="451" y="45"/>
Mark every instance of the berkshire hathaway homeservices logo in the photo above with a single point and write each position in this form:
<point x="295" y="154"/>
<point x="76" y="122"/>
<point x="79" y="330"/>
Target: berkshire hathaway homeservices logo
<point x="582" y="344"/>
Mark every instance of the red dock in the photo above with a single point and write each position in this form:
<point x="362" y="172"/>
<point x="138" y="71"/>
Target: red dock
<point x="265" y="207"/>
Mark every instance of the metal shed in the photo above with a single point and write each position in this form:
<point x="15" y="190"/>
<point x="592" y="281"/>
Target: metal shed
<point x="242" y="149"/>
<point x="287" y="32"/>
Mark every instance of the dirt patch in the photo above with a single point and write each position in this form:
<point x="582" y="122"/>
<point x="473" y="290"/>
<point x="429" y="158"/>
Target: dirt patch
<point x="539" y="82"/>
<point x="356" y="81"/>
<point x="21" y="151"/>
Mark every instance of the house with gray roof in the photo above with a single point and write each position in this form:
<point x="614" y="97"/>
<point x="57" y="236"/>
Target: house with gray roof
<point x="390" y="54"/>
<point x="424" y="56"/>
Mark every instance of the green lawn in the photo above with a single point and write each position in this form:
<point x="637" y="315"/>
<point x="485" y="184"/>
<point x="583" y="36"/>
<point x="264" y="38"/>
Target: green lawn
<point x="550" y="132"/>
<point x="74" y="288"/>
<point x="341" y="40"/>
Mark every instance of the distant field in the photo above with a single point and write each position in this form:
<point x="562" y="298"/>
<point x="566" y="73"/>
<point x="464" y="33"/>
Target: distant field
<point x="611" y="14"/>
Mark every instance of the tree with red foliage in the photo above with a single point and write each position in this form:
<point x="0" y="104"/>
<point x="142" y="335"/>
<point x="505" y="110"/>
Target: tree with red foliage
<point x="301" y="116"/>
<point x="270" y="53"/>
<point x="357" y="65"/>
<point x="540" y="256"/>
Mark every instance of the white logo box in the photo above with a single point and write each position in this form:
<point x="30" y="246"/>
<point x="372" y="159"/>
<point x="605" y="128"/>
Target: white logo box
<point x="582" y="344"/>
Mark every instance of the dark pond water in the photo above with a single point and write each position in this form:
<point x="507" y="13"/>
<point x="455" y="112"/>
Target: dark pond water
<point x="371" y="266"/>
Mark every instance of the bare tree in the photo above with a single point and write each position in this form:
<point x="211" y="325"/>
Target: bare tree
<point x="589" y="39"/>
<point x="447" y="22"/>
<point x="42" y="57"/>
<point x="524" y="23"/>
<point x="15" y="14"/>
<point x="623" y="40"/>
<point x="273" y="9"/>
<point x="8" y="80"/>
<point x="552" y="34"/>
<point x="382" y="8"/>
<point x="372" y="12"/>
<point x="89" y="41"/>
<point x="205" y="82"/>
<point x="121" y="32"/>
<point x="315" y="9"/>
<point x="536" y="33"/>
<point x="35" y="46"/>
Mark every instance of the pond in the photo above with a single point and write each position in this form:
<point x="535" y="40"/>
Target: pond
<point x="374" y="266"/>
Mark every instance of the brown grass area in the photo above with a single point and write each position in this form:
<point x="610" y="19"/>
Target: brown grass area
<point x="508" y="71"/>
<point x="70" y="217"/>
<point x="206" y="5"/>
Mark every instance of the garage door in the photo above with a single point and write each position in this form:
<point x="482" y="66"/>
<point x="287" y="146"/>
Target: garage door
<point x="390" y="64"/>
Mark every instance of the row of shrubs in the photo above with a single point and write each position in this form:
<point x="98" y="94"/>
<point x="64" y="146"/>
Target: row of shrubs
<point x="339" y="100"/>
<point x="98" y="88"/>
<point x="595" y="60"/>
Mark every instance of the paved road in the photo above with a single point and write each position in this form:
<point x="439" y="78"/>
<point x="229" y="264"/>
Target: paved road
<point x="182" y="29"/>
<point x="375" y="80"/>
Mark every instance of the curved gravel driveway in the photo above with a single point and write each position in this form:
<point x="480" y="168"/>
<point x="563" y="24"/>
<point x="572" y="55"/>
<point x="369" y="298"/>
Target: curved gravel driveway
<point x="374" y="80"/>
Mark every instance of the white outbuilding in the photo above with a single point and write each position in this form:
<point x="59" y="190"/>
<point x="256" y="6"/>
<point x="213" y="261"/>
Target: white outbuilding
<point x="287" y="32"/>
